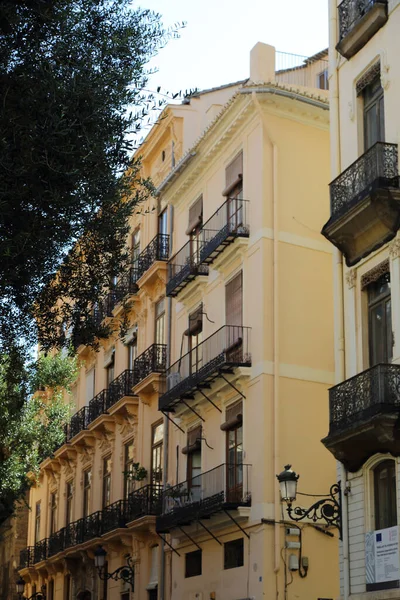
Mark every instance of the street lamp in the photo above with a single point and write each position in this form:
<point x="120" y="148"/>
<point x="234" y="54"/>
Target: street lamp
<point x="327" y="509"/>
<point x="125" y="573"/>
<point x="20" y="585"/>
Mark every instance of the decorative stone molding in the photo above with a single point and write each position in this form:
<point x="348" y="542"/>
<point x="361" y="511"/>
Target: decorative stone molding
<point x="374" y="274"/>
<point x="351" y="278"/>
<point x="385" y="68"/>
<point x="368" y="77"/>
<point x="394" y="248"/>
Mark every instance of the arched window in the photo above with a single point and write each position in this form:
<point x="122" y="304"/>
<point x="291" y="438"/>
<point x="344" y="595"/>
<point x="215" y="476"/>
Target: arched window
<point x="385" y="494"/>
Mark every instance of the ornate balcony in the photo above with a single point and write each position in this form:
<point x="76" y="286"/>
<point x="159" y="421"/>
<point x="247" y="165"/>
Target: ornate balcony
<point x="146" y="501"/>
<point x="185" y="266"/>
<point x="227" y="487"/>
<point x="142" y="502"/>
<point x="365" y="203"/>
<point x="227" y="348"/>
<point x="157" y="250"/>
<point x="98" y="405"/>
<point x="120" y="387"/>
<point x="229" y="222"/>
<point x="363" y="416"/>
<point x="359" y="20"/>
<point x="152" y="361"/>
<point x="79" y="421"/>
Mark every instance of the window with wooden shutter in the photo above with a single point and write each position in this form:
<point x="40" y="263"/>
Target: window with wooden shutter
<point x="234" y="175"/>
<point x="233" y="416"/>
<point x="233" y="301"/>
<point x="195" y="216"/>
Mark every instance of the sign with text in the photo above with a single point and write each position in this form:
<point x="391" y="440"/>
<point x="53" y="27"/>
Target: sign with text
<point x="382" y="555"/>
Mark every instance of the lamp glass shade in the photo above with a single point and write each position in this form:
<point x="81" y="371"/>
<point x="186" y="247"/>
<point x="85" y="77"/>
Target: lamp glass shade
<point x="20" y="585"/>
<point x="288" y="484"/>
<point x="99" y="557"/>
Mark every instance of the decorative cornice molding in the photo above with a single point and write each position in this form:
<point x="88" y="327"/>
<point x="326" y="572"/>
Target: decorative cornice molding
<point x="374" y="274"/>
<point x="351" y="278"/>
<point x="394" y="248"/>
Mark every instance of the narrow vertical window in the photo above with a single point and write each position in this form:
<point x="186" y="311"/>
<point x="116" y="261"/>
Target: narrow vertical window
<point x="160" y="322"/>
<point x="195" y="337"/>
<point x="380" y="321"/>
<point x="157" y="439"/>
<point x="162" y="222"/>
<point x="194" y="230"/>
<point x="129" y="484"/>
<point x="70" y="498"/>
<point x="90" y="384"/>
<point x="132" y="353"/>
<point x="234" y="452"/>
<point x="135" y="245"/>
<point x="385" y="494"/>
<point x="87" y="492"/>
<point x="234" y="301"/>
<point x="53" y="513"/>
<point x="106" y="481"/>
<point x="374" y="113"/>
<point x="193" y="451"/>
<point x="37" y="521"/>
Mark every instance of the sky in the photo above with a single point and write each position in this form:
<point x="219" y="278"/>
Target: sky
<point x="214" y="47"/>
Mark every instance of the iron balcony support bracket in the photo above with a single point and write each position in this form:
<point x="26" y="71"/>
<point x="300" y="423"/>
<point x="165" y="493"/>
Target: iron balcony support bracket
<point x="232" y="386"/>
<point x="168" y="544"/>
<point x="237" y="524"/>
<point x="209" y="400"/>
<point x="209" y="532"/>
<point x="190" y="538"/>
<point x="193" y="411"/>
<point x="173" y="422"/>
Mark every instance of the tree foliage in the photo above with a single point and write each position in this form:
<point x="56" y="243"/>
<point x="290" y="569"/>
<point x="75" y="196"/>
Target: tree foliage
<point x="72" y="87"/>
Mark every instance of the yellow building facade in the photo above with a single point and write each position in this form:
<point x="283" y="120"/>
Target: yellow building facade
<point x="170" y="460"/>
<point x="364" y="228"/>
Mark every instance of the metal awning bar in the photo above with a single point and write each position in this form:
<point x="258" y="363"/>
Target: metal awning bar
<point x="190" y="538"/>
<point x="209" y="400"/>
<point x="232" y="386"/>
<point x="192" y="409"/>
<point x="173" y="422"/>
<point x="209" y="532"/>
<point x="168" y="544"/>
<point x="236" y="523"/>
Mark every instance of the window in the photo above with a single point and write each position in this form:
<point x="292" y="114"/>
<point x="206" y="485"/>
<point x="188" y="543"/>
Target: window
<point x="233" y="301"/>
<point x="193" y="563"/>
<point x="90" y="384"/>
<point x="50" y="593"/>
<point x="87" y="489"/>
<point x="193" y="451"/>
<point x="70" y="499"/>
<point x="153" y="580"/>
<point x="194" y="229"/>
<point x="157" y="437"/>
<point x="67" y="588"/>
<point x="162" y="222"/>
<point x="195" y="336"/>
<point x="374" y="113"/>
<point x="110" y="373"/>
<point x="37" y="522"/>
<point x="234" y="178"/>
<point x="132" y="353"/>
<point x="106" y="481"/>
<point x="53" y="513"/>
<point x="380" y="321"/>
<point x="233" y="554"/>
<point x="129" y="484"/>
<point x="385" y="494"/>
<point x="322" y="80"/>
<point x="159" y="336"/>
<point x="234" y="452"/>
<point x="135" y="245"/>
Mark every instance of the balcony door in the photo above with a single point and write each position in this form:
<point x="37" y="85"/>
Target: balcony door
<point x="374" y="113"/>
<point x="194" y="230"/>
<point x="193" y="451"/>
<point x="159" y="334"/>
<point x="234" y="453"/>
<point x="380" y="321"/>
<point x="234" y="319"/>
<point x="157" y="439"/>
<point x="194" y="333"/>
<point x="234" y="193"/>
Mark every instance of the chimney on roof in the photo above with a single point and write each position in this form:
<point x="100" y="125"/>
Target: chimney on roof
<point x="262" y="63"/>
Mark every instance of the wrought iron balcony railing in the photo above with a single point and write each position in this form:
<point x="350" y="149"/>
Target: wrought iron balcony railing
<point x="26" y="557"/>
<point x="120" y="387"/>
<point x="225" y="349"/>
<point x="184" y="266"/>
<point x="144" y="501"/>
<point x="376" y="168"/>
<point x="224" y="487"/>
<point x="352" y="11"/>
<point x="98" y="405"/>
<point x="226" y="224"/>
<point x="152" y="360"/>
<point x="79" y="421"/>
<point x="358" y="399"/>
<point x="141" y="502"/>
<point x="158" y="249"/>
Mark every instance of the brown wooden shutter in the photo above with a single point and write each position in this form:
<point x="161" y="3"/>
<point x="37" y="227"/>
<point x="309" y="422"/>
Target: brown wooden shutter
<point x="233" y="301"/>
<point x="195" y="215"/>
<point x="195" y="321"/>
<point x="233" y="416"/>
<point x="233" y="174"/>
<point x="193" y="441"/>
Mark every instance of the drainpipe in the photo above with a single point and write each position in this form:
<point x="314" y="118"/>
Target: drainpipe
<point x="161" y="591"/>
<point x="275" y="416"/>
<point x="336" y="169"/>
